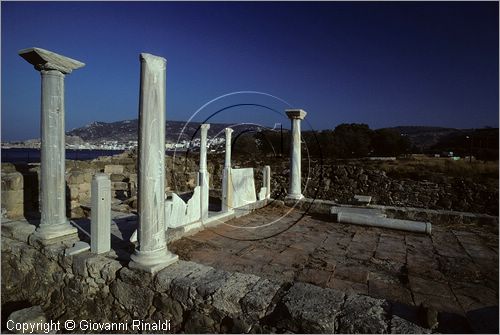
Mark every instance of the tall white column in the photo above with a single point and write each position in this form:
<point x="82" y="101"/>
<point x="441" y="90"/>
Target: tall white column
<point x="266" y="180"/>
<point x="53" y="68"/>
<point x="152" y="254"/>
<point x="203" y="175"/>
<point x="227" y="187"/>
<point x="295" y="188"/>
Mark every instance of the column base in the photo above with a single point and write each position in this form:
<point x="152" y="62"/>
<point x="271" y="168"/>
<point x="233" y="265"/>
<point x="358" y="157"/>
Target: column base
<point x="294" y="197"/>
<point x="152" y="261"/>
<point x="55" y="231"/>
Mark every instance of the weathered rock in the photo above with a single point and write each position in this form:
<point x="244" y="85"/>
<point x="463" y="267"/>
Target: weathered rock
<point x="258" y="302"/>
<point x="198" y="323"/>
<point x="402" y="326"/>
<point x="19" y="230"/>
<point x="12" y="181"/>
<point x="136" y="300"/>
<point x="32" y="320"/>
<point x="313" y="309"/>
<point x="363" y="314"/>
<point x="117" y="177"/>
<point x="226" y="299"/>
<point x="13" y="203"/>
<point x="164" y="278"/>
<point x="135" y="277"/>
<point x="117" y="169"/>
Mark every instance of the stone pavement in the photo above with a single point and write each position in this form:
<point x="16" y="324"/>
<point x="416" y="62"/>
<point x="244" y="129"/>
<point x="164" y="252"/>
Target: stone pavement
<point x="453" y="272"/>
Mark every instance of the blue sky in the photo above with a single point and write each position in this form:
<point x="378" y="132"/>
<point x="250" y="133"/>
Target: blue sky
<point x="384" y="64"/>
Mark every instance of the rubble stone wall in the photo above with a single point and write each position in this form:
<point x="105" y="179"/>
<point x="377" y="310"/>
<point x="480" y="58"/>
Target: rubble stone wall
<point x="337" y="182"/>
<point x="12" y="193"/>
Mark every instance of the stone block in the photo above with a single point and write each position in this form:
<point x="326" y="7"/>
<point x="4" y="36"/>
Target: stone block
<point x="119" y="186"/>
<point x="164" y="278"/>
<point x="312" y="309"/>
<point x="77" y="248"/>
<point x="363" y="314"/>
<point x="84" y="187"/>
<point x="243" y="187"/>
<point x="136" y="300"/>
<point x="12" y="181"/>
<point x="403" y="326"/>
<point x="358" y="274"/>
<point x="314" y="276"/>
<point x="347" y="286"/>
<point x="76" y="177"/>
<point x="13" y="203"/>
<point x="74" y="192"/>
<point x="257" y="303"/>
<point x="226" y="299"/>
<point x="19" y="230"/>
<point x="362" y="199"/>
<point x="117" y="177"/>
<point x="32" y="318"/>
<point x="100" y="227"/>
<point x="110" y="169"/>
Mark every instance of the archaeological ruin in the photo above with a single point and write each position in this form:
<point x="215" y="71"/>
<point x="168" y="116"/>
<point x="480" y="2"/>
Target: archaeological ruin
<point x="115" y="249"/>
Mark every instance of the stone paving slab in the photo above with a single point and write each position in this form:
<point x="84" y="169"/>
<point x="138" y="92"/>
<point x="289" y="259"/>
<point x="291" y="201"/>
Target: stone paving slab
<point x="452" y="271"/>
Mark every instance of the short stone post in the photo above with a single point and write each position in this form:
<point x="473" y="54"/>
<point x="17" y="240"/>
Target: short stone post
<point x="152" y="254"/>
<point x="203" y="174"/>
<point x="295" y="188"/>
<point x="100" y="226"/>
<point x="227" y="186"/>
<point x="53" y="67"/>
<point x="266" y="180"/>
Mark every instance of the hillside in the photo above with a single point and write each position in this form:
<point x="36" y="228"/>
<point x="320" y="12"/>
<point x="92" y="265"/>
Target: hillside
<point x="424" y="137"/>
<point x="126" y="130"/>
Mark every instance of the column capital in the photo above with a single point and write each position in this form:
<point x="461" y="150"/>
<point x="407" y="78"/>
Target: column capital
<point x="46" y="60"/>
<point x="228" y="131"/>
<point x="296" y="114"/>
<point x="153" y="60"/>
<point x="205" y="126"/>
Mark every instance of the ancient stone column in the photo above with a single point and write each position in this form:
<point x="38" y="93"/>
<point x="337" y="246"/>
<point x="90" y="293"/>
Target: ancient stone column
<point x="152" y="255"/>
<point x="53" y="68"/>
<point x="100" y="223"/>
<point x="227" y="187"/>
<point x="203" y="175"/>
<point x="266" y="180"/>
<point x="294" y="187"/>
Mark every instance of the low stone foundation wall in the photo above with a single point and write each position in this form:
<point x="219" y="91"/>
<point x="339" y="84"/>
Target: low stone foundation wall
<point x="193" y="298"/>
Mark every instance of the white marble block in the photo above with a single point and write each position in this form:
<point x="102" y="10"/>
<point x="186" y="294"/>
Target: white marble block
<point x="243" y="187"/>
<point x="100" y="227"/>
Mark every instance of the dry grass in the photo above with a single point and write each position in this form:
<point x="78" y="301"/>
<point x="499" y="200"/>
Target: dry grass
<point x="424" y="166"/>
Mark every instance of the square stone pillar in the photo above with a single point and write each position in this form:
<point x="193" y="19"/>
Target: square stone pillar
<point x="53" y="67"/>
<point x="151" y="254"/>
<point x="100" y="226"/>
<point x="227" y="186"/>
<point x="294" y="187"/>
<point x="203" y="174"/>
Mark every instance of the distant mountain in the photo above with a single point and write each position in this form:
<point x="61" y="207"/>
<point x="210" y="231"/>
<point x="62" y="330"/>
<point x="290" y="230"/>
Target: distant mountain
<point x="124" y="131"/>
<point x="425" y="137"/>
